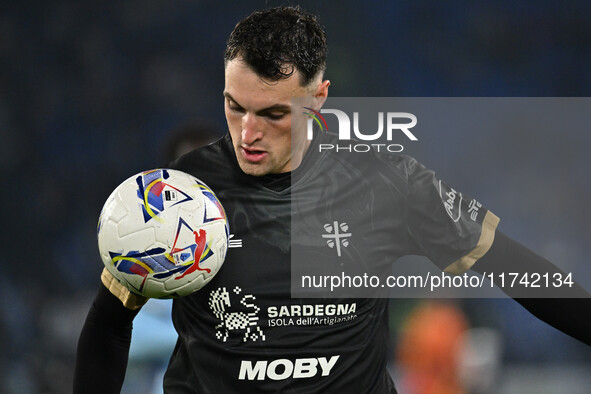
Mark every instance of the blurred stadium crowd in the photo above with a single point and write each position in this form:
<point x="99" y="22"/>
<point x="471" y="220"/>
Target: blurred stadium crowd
<point x="90" y="92"/>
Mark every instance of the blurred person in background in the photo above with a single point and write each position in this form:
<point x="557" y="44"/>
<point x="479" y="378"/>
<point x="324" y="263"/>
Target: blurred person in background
<point x="187" y="137"/>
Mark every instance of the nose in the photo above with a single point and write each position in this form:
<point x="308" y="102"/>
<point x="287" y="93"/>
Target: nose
<point x="251" y="131"/>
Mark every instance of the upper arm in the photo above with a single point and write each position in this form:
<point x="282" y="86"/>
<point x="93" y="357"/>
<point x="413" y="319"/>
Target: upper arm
<point x="452" y="229"/>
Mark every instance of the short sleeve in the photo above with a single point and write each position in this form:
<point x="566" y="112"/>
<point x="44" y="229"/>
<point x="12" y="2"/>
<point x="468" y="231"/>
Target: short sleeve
<point x="452" y="229"/>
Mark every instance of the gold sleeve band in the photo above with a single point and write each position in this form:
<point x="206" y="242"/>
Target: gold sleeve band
<point x="130" y="300"/>
<point x="487" y="236"/>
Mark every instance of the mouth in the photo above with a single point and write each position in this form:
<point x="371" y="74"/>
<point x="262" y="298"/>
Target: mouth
<point x="253" y="155"/>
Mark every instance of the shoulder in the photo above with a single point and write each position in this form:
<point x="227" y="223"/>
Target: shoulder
<point x="367" y="158"/>
<point x="208" y="163"/>
<point x="201" y="157"/>
<point x="375" y="167"/>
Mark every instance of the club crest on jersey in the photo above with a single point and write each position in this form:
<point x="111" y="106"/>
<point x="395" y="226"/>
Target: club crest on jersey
<point x="337" y="236"/>
<point x="236" y="314"/>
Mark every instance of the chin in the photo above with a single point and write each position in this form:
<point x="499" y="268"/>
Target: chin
<point x="253" y="170"/>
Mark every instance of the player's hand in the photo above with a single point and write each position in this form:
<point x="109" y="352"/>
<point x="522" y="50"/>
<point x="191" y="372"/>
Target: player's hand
<point x="130" y="300"/>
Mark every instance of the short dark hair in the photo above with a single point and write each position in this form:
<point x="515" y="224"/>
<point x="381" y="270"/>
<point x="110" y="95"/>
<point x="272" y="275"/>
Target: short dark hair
<point x="277" y="41"/>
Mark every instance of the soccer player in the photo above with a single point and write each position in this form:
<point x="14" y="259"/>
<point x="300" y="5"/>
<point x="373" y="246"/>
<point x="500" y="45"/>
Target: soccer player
<point x="243" y="333"/>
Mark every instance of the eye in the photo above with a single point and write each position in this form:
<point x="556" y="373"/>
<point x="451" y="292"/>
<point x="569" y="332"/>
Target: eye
<point x="275" y="116"/>
<point x="232" y="106"/>
<point x="275" y="113"/>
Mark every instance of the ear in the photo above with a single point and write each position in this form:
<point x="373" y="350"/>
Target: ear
<point x="321" y="94"/>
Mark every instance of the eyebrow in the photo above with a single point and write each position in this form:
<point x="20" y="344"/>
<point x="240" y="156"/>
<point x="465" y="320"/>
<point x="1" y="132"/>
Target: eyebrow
<point x="274" y="107"/>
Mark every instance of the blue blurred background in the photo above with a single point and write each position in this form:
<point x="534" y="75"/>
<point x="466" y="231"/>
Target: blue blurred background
<point x="90" y="91"/>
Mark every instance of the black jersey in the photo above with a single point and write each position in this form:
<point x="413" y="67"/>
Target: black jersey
<point x="244" y="333"/>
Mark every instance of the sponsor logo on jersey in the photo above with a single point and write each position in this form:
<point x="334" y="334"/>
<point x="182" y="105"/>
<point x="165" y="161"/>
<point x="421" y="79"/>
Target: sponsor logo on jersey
<point x="452" y="201"/>
<point x="473" y="209"/>
<point x="241" y="319"/>
<point x="337" y="236"/>
<point x="318" y="310"/>
<point x="283" y="368"/>
<point x="310" y="314"/>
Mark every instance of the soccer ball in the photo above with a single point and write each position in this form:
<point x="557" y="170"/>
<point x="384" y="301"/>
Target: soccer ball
<point x="163" y="234"/>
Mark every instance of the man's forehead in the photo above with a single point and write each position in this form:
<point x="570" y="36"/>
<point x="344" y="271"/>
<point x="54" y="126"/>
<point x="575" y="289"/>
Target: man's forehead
<point x="243" y="84"/>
